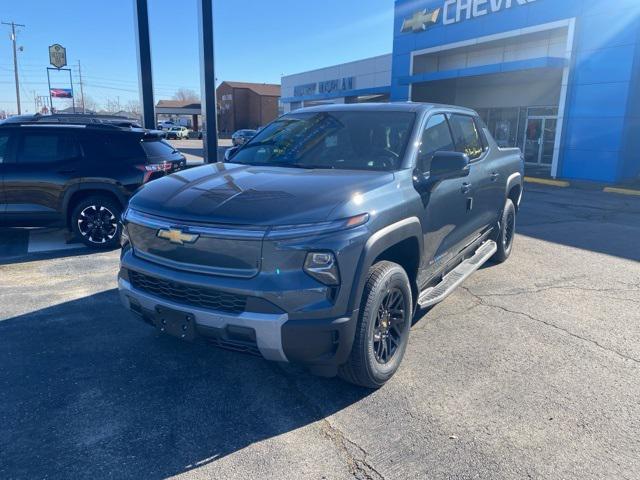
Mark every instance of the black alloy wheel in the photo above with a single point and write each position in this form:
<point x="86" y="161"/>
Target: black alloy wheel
<point x="389" y="327"/>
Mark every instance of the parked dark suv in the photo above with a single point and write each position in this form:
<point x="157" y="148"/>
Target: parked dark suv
<point x="77" y="175"/>
<point x="319" y="238"/>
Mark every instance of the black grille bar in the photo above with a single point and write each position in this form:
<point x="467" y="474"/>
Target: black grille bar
<point x="187" y="294"/>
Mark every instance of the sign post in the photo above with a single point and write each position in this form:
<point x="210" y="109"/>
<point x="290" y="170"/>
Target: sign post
<point x="57" y="55"/>
<point x="58" y="58"/>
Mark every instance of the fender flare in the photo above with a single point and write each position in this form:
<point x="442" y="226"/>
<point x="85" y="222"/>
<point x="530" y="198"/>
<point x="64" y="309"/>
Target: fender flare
<point x="514" y="179"/>
<point x="378" y="243"/>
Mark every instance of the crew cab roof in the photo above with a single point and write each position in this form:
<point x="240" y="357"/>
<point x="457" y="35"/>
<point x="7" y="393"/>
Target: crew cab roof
<point x="382" y="107"/>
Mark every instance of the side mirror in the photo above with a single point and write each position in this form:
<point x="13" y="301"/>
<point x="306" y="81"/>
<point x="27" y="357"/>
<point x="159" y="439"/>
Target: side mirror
<point x="229" y="153"/>
<point x="448" y="165"/>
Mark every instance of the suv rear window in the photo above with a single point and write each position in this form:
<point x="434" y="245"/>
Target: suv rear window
<point x="157" y="148"/>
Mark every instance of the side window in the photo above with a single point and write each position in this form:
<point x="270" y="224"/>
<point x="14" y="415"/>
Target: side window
<point x="435" y="138"/>
<point x="466" y="136"/>
<point x="4" y="147"/>
<point x="110" y="146"/>
<point x="49" y="147"/>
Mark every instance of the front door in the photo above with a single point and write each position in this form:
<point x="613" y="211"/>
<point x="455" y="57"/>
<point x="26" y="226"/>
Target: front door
<point x="539" y="140"/>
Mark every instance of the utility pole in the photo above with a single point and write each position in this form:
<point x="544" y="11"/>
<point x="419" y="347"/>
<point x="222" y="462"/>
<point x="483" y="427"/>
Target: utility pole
<point x="15" y="59"/>
<point x="81" y="88"/>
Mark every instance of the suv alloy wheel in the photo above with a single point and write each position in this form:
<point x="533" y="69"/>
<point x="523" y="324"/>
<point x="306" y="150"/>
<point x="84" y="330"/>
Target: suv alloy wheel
<point x="96" y="221"/>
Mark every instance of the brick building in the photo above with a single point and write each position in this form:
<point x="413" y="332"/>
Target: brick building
<point x="246" y="105"/>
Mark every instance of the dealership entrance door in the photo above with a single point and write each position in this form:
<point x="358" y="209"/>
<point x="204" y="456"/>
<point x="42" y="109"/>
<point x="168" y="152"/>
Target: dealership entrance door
<point x="540" y="140"/>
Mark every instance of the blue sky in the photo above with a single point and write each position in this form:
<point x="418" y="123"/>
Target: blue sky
<point x="255" y="41"/>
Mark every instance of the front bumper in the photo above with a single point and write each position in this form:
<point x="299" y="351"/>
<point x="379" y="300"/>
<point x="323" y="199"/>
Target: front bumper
<point x="322" y="344"/>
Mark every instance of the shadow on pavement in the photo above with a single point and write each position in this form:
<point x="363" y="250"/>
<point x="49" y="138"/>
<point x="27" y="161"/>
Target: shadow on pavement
<point x="87" y="391"/>
<point x="587" y="220"/>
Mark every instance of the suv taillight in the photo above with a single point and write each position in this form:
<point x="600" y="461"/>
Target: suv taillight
<point x="150" y="168"/>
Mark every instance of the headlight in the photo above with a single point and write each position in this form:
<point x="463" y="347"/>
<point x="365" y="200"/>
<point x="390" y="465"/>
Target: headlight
<point x="323" y="267"/>
<point x="124" y="236"/>
<point x="292" y="231"/>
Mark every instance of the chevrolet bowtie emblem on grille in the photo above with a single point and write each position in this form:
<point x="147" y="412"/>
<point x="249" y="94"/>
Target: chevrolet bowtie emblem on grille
<point x="175" y="235"/>
<point x="420" y="21"/>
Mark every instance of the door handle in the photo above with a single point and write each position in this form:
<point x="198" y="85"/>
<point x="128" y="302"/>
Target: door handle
<point x="65" y="172"/>
<point x="494" y="176"/>
<point x="466" y="188"/>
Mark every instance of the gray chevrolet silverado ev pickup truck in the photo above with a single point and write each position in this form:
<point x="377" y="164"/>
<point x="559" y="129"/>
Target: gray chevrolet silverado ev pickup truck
<point x="317" y="241"/>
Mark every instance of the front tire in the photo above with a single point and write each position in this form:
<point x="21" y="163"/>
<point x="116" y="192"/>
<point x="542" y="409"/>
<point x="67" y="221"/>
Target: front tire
<point x="382" y="332"/>
<point x="96" y="221"/>
<point x="507" y="233"/>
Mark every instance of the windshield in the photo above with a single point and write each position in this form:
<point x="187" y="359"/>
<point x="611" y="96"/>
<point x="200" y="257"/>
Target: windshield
<point x="354" y="140"/>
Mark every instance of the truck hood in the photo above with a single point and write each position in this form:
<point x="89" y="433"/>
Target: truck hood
<point x="230" y="193"/>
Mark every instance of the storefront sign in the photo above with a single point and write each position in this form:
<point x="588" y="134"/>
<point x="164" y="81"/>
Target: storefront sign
<point x="338" y="85"/>
<point x="458" y="10"/>
<point x="57" y="55"/>
<point x="420" y="21"/>
<point x="327" y="86"/>
<point x="455" y="11"/>
<point x="304" y="90"/>
<point x="61" y="93"/>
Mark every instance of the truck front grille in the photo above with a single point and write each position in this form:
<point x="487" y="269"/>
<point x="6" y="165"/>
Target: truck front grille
<point x="187" y="294"/>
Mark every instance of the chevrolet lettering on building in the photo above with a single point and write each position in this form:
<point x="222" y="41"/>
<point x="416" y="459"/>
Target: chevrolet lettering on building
<point x="456" y="11"/>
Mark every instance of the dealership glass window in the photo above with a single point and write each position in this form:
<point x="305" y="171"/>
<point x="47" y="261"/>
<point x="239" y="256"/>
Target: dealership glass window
<point x="543" y="112"/>
<point x="295" y="106"/>
<point x="435" y="138"/>
<point x="4" y="143"/>
<point x="466" y="136"/>
<point x="503" y="125"/>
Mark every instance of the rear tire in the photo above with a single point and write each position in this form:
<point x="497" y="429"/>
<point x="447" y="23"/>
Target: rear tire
<point x="382" y="332"/>
<point x="96" y="221"/>
<point x="507" y="233"/>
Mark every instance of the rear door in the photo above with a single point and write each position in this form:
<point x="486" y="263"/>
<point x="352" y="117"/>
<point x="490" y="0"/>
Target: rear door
<point x="44" y="166"/>
<point x="476" y="187"/>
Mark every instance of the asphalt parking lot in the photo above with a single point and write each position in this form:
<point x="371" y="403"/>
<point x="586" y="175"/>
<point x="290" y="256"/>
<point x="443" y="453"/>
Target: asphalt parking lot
<point x="531" y="370"/>
<point x="194" y="152"/>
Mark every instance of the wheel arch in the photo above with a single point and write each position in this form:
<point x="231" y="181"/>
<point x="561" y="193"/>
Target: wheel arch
<point x="401" y="243"/>
<point x="514" y="189"/>
<point x="88" y="190"/>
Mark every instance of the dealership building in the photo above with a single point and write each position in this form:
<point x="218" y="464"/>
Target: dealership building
<point x="558" y="78"/>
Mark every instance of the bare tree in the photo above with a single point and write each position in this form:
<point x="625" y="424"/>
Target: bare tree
<point x="90" y="105"/>
<point x="133" y="106"/>
<point x="112" y="106"/>
<point x="186" y="95"/>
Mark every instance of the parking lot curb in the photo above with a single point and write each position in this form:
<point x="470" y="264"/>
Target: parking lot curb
<point x="547" y="181"/>
<point x="622" y="191"/>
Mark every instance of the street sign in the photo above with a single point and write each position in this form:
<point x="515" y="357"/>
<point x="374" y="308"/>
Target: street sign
<point x="57" y="55"/>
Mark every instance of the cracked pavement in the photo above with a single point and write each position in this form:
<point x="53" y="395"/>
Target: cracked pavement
<point x="529" y="370"/>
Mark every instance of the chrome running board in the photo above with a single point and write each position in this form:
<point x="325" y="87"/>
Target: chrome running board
<point x="455" y="277"/>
